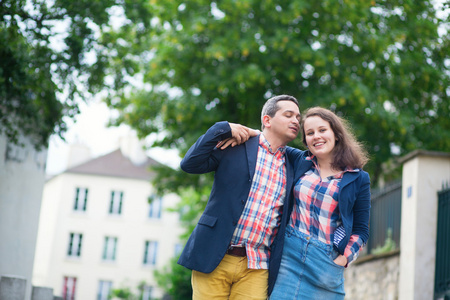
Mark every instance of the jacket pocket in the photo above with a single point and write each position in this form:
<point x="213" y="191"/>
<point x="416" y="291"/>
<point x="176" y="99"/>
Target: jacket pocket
<point x="207" y="220"/>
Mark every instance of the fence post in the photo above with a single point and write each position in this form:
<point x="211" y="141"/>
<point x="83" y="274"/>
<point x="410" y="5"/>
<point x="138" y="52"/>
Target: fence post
<point x="12" y="288"/>
<point x="41" y="293"/>
<point x="422" y="176"/>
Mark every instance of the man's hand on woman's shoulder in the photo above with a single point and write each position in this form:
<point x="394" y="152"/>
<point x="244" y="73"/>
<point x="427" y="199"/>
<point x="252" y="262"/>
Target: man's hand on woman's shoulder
<point x="239" y="134"/>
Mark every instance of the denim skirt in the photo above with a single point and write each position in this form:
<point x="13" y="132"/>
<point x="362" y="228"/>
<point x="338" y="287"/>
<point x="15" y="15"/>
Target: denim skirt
<point x="307" y="270"/>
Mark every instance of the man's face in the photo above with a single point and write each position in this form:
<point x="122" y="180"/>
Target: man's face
<point x="285" y="124"/>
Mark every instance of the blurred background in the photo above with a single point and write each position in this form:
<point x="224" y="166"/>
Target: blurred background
<point x="99" y="101"/>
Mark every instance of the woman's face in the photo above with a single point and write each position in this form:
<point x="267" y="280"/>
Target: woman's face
<point x="319" y="137"/>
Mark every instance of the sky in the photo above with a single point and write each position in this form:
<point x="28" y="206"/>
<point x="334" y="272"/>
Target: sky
<point x="91" y="130"/>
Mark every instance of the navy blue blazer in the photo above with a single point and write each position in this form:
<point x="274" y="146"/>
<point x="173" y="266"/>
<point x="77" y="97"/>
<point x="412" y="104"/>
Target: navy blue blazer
<point x="234" y="168"/>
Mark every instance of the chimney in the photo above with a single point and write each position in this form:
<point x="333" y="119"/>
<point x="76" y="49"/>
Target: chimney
<point x="133" y="149"/>
<point x="78" y="154"/>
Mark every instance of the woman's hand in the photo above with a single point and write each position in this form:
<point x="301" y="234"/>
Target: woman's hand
<point x="341" y="260"/>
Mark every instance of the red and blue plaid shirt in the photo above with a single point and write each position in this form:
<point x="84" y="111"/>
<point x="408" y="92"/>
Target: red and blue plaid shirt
<point x="260" y="218"/>
<point x="316" y="209"/>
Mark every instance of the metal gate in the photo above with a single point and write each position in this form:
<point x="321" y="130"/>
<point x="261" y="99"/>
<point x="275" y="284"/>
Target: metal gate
<point x="442" y="273"/>
<point x="385" y="216"/>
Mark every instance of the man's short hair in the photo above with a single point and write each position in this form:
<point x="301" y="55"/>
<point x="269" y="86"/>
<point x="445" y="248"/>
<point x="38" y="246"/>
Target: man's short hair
<point x="271" y="107"/>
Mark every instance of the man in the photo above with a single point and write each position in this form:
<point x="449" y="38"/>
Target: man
<point x="233" y="244"/>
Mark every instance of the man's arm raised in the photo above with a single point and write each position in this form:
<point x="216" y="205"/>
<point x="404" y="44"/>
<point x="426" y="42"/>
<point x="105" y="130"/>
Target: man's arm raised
<point x="240" y="134"/>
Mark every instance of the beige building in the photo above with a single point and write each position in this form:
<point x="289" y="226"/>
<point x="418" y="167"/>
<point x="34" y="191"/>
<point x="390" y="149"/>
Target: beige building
<point x="99" y="232"/>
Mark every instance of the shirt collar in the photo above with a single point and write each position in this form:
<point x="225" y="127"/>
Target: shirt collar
<point x="312" y="158"/>
<point x="266" y="145"/>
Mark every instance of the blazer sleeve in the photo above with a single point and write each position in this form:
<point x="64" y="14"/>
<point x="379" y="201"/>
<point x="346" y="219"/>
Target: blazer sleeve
<point x="361" y="209"/>
<point x="202" y="156"/>
<point x="294" y="156"/>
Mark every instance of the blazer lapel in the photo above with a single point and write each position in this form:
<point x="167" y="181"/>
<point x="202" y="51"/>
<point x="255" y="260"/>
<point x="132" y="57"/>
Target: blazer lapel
<point x="289" y="176"/>
<point x="251" y="147"/>
<point x="348" y="178"/>
<point x="301" y="168"/>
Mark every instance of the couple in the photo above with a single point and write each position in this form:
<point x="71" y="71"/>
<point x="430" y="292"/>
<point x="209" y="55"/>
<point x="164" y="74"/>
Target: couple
<point x="279" y="222"/>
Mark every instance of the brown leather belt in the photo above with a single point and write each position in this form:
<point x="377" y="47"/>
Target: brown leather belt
<point x="237" y="251"/>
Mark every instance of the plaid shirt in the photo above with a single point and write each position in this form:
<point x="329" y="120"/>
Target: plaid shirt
<point x="316" y="210"/>
<point x="260" y="219"/>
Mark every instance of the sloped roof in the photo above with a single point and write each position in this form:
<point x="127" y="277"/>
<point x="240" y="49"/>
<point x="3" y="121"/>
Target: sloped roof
<point x="117" y="165"/>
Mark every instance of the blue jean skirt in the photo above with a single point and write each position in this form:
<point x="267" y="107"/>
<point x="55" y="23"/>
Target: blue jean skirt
<point x="307" y="270"/>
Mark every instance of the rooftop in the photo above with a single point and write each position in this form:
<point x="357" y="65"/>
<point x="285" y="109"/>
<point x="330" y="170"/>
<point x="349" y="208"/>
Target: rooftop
<point x="115" y="164"/>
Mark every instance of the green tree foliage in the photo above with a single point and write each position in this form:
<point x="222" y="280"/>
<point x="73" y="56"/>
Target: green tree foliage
<point x="389" y="244"/>
<point x="51" y="57"/>
<point x="381" y="64"/>
<point x="175" y="280"/>
<point x="126" y="292"/>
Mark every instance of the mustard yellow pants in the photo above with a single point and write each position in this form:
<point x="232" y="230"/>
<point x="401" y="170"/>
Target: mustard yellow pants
<point x="230" y="280"/>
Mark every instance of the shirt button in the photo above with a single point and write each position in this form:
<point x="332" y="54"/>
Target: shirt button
<point x="234" y="223"/>
<point x="243" y="201"/>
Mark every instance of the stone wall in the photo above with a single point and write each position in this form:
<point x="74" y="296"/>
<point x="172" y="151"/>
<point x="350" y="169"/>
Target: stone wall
<point x="373" y="277"/>
<point x="14" y="288"/>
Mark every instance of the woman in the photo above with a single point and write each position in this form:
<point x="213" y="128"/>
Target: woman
<point x="329" y="221"/>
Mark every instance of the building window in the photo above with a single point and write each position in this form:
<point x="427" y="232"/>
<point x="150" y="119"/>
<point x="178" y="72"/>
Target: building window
<point x="104" y="289"/>
<point x="151" y="247"/>
<point x="184" y="211"/>
<point x="178" y="249"/>
<point x="115" y="207"/>
<point x="75" y="241"/>
<point x="155" y="207"/>
<point x="147" y="292"/>
<point x="81" y="196"/>
<point x="68" y="292"/>
<point x="109" y="250"/>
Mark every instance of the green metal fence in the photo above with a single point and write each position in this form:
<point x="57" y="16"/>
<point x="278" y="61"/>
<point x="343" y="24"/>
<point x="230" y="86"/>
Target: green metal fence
<point x="442" y="273"/>
<point x="385" y="219"/>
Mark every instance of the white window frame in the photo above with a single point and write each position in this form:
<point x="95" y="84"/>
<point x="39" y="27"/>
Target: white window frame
<point x="75" y="244"/>
<point x="80" y="201"/>
<point x="178" y="248"/>
<point x="104" y="289"/>
<point x="147" y="292"/>
<point x="109" y="249"/>
<point x="150" y="253"/>
<point x="69" y="286"/>
<point x="116" y="202"/>
<point x="155" y="207"/>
